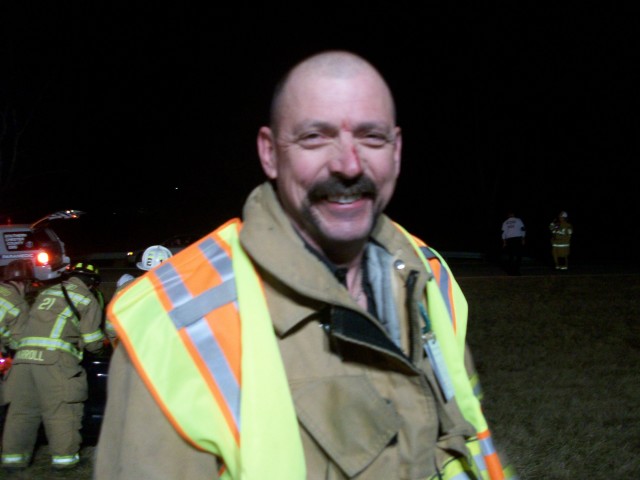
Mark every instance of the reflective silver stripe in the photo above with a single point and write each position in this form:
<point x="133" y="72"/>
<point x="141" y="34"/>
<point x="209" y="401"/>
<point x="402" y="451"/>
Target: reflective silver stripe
<point x="54" y="292"/>
<point x="189" y="313"/>
<point x="50" y="344"/>
<point x="4" y="331"/>
<point x="93" y="336"/>
<point x="15" y="458"/>
<point x="444" y="282"/>
<point x="8" y="307"/>
<point x="67" y="313"/>
<point x="199" y="306"/>
<point x="218" y="257"/>
<point x="65" y="459"/>
<point x="78" y="298"/>
<point x="172" y="284"/>
<point x="218" y="367"/>
<point x="486" y="445"/>
<point x="478" y="459"/>
<point x="109" y="328"/>
<point x="61" y="321"/>
<point x="188" y="309"/>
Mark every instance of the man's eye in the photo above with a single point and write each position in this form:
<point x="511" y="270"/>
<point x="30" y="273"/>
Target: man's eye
<point x="375" y="140"/>
<point x="312" y="139"/>
<point x="310" y="136"/>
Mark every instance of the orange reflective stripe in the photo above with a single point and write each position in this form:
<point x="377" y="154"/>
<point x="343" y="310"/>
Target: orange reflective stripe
<point x="491" y="459"/>
<point x="441" y="275"/>
<point x="226" y="346"/>
<point x="494" y="467"/>
<point x="217" y="331"/>
<point x="181" y="324"/>
<point x="434" y="263"/>
<point x="226" y="329"/>
<point x="484" y="453"/>
<point x="197" y="295"/>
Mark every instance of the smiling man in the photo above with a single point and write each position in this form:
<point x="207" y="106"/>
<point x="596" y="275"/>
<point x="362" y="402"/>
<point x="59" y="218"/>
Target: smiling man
<point x="333" y="152"/>
<point x="315" y="338"/>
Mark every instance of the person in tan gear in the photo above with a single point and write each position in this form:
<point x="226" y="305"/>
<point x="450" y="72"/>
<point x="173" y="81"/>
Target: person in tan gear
<point x="561" y="231"/>
<point x="15" y="288"/>
<point x="47" y="383"/>
<point x="307" y="340"/>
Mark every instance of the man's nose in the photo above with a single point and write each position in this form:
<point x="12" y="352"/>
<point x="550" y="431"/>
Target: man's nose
<point x="346" y="161"/>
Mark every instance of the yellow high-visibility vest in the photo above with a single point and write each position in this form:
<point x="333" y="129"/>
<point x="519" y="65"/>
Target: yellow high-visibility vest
<point x="212" y="345"/>
<point x="447" y="309"/>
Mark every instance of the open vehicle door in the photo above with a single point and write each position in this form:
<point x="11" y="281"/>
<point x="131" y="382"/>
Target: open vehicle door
<point x="59" y="215"/>
<point x="38" y="243"/>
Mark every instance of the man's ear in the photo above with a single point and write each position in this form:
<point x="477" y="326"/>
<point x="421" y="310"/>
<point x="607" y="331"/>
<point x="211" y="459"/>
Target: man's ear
<point x="267" y="153"/>
<point x="397" y="147"/>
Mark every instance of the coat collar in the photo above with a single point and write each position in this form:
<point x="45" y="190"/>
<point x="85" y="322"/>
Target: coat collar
<point x="297" y="283"/>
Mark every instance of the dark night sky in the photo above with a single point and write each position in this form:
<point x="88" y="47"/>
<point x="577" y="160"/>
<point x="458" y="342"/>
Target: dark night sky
<point x="146" y="116"/>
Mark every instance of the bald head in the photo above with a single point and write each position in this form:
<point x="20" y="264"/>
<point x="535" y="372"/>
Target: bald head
<point x="332" y="151"/>
<point x="337" y="64"/>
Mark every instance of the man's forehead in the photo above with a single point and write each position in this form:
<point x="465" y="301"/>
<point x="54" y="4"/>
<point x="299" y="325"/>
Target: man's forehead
<point x="345" y="97"/>
<point x="320" y="82"/>
<point x="342" y="101"/>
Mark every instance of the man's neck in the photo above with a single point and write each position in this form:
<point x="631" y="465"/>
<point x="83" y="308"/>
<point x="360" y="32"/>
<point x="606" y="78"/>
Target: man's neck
<point x="342" y="254"/>
<point x="351" y="274"/>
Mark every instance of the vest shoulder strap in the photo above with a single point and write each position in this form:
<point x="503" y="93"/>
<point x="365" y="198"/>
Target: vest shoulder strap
<point x="181" y="324"/>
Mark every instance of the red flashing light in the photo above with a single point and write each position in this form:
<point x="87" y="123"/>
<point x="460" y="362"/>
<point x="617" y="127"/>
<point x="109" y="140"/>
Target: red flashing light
<point x="42" y="258"/>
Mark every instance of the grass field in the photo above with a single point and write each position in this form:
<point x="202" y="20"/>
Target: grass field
<point x="559" y="360"/>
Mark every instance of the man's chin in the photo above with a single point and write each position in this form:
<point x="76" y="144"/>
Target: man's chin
<point x="332" y="231"/>
<point x="346" y="234"/>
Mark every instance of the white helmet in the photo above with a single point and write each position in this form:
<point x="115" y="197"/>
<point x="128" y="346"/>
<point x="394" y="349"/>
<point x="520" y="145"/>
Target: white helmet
<point x="153" y="256"/>
<point x="124" y="278"/>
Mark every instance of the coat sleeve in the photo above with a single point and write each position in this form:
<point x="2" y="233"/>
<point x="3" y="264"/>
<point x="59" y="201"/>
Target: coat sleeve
<point x="136" y="439"/>
<point x="91" y="327"/>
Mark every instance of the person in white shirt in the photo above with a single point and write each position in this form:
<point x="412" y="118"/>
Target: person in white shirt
<point x="513" y="233"/>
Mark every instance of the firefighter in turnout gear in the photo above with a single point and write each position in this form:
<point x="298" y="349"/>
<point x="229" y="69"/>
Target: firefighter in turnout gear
<point x="15" y="288"/>
<point x="561" y="231"/>
<point x="14" y="307"/>
<point x="312" y="339"/>
<point x="151" y="258"/>
<point x="47" y="383"/>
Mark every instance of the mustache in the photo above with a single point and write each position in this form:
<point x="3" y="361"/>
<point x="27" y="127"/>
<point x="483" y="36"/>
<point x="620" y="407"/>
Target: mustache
<point x="332" y="186"/>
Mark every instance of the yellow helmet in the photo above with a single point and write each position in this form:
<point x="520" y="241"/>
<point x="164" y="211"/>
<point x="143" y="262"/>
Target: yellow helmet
<point x="86" y="270"/>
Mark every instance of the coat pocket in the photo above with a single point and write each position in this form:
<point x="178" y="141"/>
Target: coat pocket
<point x="347" y="417"/>
<point x="77" y="388"/>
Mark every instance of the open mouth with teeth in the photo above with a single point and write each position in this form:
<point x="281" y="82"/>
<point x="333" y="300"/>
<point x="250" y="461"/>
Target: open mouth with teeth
<point x="344" y="199"/>
<point x="339" y="191"/>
